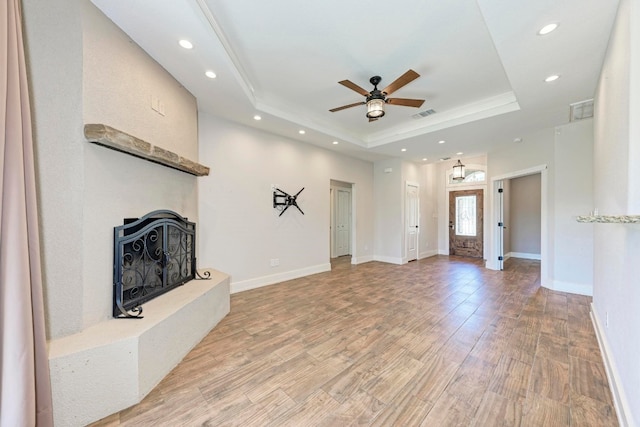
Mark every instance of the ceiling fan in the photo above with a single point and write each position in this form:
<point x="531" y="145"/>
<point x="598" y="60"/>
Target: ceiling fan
<point x="376" y="99"/>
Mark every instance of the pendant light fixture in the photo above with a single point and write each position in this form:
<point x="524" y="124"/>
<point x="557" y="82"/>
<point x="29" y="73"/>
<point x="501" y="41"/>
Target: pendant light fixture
<point x="458" y="171"/>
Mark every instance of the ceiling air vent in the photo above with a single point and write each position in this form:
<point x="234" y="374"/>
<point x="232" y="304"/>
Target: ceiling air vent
<point x="424" y="113"/>
<point x="442" y="159"/>
<point x="581" y="110"/>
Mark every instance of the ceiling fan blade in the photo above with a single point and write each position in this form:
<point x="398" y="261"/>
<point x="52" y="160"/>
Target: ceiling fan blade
<point x="406" y="102"/>
<point x="351" y="85"/>
<point x="407" y="77"/>
<point x="333" y="110"/>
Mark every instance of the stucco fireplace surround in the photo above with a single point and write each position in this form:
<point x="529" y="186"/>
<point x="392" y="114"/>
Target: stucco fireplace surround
<point x="115" y="363"/>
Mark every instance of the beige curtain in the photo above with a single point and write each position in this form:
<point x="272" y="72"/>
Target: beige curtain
<point x="25" y="390"/>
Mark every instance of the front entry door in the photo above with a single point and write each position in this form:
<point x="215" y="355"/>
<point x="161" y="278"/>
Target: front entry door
<point x="465" y="223"/>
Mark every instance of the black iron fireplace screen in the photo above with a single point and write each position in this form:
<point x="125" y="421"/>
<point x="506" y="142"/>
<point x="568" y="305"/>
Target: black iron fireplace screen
<point x="152" y="255"/>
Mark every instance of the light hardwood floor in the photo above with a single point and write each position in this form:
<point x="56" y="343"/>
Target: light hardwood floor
<point x="436" y="342"/>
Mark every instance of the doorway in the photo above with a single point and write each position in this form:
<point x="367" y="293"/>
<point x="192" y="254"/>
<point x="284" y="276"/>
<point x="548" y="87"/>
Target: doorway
<point x="496" y="233"/>
<point x="519" y="218"/>
<point x="412" y="215"/>
<point x="341" y="219"/>
<point x="466" y="223"/>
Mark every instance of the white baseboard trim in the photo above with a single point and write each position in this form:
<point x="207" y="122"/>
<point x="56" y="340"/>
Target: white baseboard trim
<point x="259" y="282"/>
<point x="361" y="260"/>
<point x="620" y="401"/>
<point x="388" y="259"/>
<point x="572" y="288"/>
<point x="442" y="252"/>
<point x="428" y="254"/>
<point x="523" y="255"/>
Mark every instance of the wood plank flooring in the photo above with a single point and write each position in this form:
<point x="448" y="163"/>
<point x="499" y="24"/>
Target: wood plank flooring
<point x="436" y="342"/>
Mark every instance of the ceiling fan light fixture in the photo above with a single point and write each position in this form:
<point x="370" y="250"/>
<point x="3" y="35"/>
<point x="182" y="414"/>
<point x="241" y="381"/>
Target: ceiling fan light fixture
<point x="375" y="108"/>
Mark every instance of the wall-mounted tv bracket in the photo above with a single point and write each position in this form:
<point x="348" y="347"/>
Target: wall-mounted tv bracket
<point x="282" y="200"/>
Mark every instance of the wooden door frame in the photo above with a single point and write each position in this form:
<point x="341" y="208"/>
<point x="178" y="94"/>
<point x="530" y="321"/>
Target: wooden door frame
<point x="482" y="192"/>
<point x="485" y="228"/>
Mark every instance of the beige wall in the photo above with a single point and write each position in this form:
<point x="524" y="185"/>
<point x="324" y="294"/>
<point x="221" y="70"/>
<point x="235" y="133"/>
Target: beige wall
<point x="119" y="82"/>
<point x="53" y="39"/>
<point x="84" y="69"/>
<point x="524" y="215"/>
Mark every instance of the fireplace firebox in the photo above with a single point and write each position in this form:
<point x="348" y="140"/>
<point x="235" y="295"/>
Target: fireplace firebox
<point x="152" y="255"/>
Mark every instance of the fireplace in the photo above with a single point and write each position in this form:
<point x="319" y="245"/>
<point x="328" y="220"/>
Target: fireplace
<point x="152" y="255"/>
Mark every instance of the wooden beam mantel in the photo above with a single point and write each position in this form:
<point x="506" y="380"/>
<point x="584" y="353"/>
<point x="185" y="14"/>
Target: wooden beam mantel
<point x="117" y="140"/>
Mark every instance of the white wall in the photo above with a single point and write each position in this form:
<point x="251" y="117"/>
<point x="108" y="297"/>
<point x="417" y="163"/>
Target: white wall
<point x="241" y="232"/>
<point x="389" y="197"/>
<point x="616" y="294"/>
<point x="566" y="151"/>
<point x="84" y="69"/>
<point x="573" y="195"/>
<point x="523" y="225"/>
<point x="428" y="243"/>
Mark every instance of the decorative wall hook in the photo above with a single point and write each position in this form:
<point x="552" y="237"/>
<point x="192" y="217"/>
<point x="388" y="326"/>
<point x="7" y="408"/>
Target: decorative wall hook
<point x="282" y="200"/>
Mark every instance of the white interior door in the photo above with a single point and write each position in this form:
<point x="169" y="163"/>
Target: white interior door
<point x="343" y="222"/>
<point x="412" y="218"/>
<point x="500" y="226"/>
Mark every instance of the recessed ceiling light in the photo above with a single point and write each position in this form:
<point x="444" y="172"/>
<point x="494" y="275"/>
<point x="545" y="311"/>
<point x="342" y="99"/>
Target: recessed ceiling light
<point x="459" y="153"/>
<point x="210" y="74"/>
<point x="335" y="143"/>
<point x="186" y="44"/>
<point x="404" y="149"/>
<point x="441" y="141"/>
<point x="547" y="29"/>
<point x="552" y="78"/>
<point x="424" y="159"/>
<point x="257" y="117"/>
<point x="517" y="140"/>
<point x="301" y="132"/>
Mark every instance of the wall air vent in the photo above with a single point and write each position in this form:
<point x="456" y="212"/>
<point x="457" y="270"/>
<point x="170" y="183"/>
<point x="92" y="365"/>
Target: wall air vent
<point x="424" y="113"/>
<point x="581" y="110"/>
